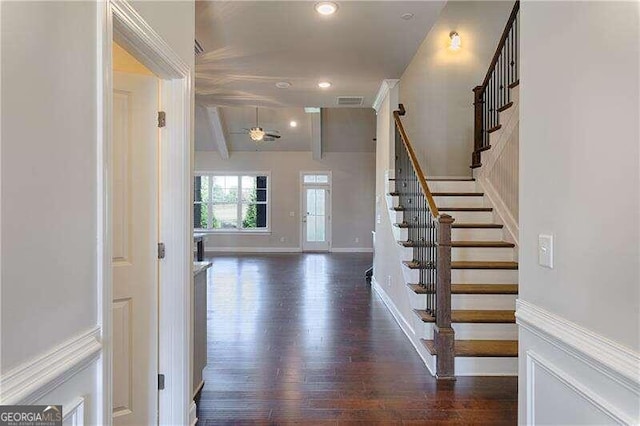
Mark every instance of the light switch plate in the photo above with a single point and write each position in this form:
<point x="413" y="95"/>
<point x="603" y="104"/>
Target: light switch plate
<point x="545" y="250"/>
<point x="292" y="214"/>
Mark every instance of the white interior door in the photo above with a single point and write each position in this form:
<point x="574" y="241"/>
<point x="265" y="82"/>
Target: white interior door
<point x="134" y="244"/>
<point x="316" y="217"/>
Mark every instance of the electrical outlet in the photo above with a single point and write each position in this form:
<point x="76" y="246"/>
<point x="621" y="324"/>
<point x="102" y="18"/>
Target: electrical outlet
<point x="388" y="280"/>
<point x="357" y="240"/>
<point x="283" y="239"/>
<point x="292" y="214"/>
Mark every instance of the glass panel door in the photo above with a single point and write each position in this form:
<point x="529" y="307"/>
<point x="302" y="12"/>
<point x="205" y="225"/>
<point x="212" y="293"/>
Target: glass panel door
<point x="315" y="218"/>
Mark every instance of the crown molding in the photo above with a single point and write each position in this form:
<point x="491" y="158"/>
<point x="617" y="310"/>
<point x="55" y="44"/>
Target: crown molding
<point x="385" y="87"/>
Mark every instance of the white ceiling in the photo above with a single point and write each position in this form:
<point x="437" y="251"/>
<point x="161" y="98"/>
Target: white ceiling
<point x="343" y="129"/>
<point x="251" y="45"/>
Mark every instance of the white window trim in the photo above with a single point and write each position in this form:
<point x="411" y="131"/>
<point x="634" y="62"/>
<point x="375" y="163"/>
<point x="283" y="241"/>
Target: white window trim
<point x="260" y="231"/>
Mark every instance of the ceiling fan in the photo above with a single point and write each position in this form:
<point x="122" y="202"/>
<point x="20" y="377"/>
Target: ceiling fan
<point x="258" y="134"/>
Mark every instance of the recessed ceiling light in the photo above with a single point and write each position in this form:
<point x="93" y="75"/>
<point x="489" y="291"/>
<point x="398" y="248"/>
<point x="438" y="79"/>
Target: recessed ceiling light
<point x="406" y="16"/>
<point x="324" y="85"/>
<point x="293" y="124"/>
<point x="326" y="8"/>
<point x="283" y="85"/>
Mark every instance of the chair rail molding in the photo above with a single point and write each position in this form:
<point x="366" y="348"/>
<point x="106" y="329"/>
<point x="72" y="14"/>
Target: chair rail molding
<point x="28" y="382"/>
<point x="611" y="359"/>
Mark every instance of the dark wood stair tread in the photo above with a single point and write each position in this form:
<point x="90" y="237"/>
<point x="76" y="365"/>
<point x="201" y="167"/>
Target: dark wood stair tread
<point x="466" y="244"/>
<point x="514" y="84"/>
<point x="495" y="128"/>
<point x="471" y="289"/>
<point x="505" y="107"/>
<point x="479" y="348"/>
<point x="468" y="265"/>
<point x="473" y="316"/>
<point x="451" y="179"/>
<point x="465" y="209"/>
<point x="477" y="225"/>
<point x="457" y="194"/>
<point x="484" y="265"/>
<point x="460" y="225"/>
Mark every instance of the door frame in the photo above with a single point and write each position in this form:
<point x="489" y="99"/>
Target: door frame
<point x="329" y="186"/>
<point x="118" y="20"/>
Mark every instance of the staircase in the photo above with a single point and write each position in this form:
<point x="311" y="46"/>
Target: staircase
<point x="458" y="260"/>
<point x="484" y="277"/>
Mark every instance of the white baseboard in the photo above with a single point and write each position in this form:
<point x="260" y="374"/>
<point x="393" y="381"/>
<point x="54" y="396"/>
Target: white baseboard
<point x="352" y="250"/>
<point x="253" y="249"/>
<point x="608" y="357"/>
<point x="35" y="378"/>
<point x="193" y="418"/>
<point x="283" y="250"/>
<point x="406" y="328"/>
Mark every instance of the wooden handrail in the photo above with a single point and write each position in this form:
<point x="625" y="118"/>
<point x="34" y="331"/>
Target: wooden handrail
<point x="503" y="38"/>
<point x="414" y="161"/>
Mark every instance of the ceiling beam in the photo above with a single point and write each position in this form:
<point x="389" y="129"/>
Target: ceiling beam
<point x="316" y="135"/>
<point x="217" y="131"/>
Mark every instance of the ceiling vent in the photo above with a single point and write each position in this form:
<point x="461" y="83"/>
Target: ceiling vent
<point x="198" y="48"/>
<point x="350" y="100"/>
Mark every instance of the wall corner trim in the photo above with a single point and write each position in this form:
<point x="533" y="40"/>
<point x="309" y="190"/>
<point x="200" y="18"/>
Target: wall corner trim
<point x="385" y="86"/>
<point x="28" y="382"/>
<point x="616" y="361"/>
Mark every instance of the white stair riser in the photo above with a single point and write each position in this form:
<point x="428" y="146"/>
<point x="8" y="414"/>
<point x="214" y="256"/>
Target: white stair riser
<point x="471" y="301"/>
<point x="477" y="331"/>
<point x="452" y="186"/>
<point x="483" y="276"/>
<point x="476" y="234"/>
<point x="478" y="366"/>
<point x="483" y="301"/>
<point x="470" y="276"/>
<point x="466" y="234"/>
<point x="497" y="254"/>
<point x="470" y="253"/>
<point x="471" y="217"/>
<point x="460" y="201"/>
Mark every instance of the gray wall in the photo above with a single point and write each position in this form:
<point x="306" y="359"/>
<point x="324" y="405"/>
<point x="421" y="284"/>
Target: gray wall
<point x="352" y="196"/>
<point x="579" y="162"/>
<point x="436" y="88"/>
<point x="49" y="189"/>
<point x="580" y="182"/>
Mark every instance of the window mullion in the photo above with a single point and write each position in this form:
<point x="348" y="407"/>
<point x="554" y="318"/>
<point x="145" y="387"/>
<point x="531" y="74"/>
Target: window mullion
<point x="239" y="202"/>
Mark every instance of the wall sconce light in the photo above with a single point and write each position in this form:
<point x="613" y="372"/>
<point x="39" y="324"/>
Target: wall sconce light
<point x="455" y="40"/>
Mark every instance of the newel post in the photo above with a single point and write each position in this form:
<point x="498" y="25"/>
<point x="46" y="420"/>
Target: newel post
<point x="477" y="126"/>
<point x="444" y="335"/>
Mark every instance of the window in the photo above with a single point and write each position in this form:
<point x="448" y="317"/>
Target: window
<point x="319" y="178"/>
<point x="231" y="202"/>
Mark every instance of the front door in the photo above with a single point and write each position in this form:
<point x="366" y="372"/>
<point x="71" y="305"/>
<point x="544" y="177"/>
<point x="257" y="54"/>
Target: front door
<point x="316" y="214"/>
<point x="134" y="213"/>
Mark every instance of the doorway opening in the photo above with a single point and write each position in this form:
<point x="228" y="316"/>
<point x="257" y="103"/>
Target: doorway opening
<point x="170" y="193"/>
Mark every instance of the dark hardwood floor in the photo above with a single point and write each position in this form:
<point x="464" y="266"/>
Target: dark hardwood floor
<point x="303" y="339"/>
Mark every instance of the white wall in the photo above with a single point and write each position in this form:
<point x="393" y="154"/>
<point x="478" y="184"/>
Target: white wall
<point x="49" y="190"/>
<point x="352" y="196"/>
<point x="436" y="88"/>
<point x="580" y="182"/>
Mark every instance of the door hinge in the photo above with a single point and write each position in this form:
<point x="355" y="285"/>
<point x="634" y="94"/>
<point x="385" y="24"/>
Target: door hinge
<point x="160" y="381"/>
<point x="161" y="251"/>
<point x="162" y="118"/>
